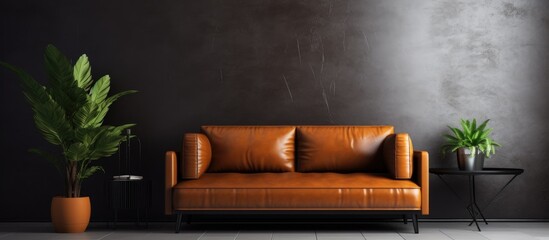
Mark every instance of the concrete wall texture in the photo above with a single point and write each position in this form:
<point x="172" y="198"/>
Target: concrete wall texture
<point x="417" y="65"/>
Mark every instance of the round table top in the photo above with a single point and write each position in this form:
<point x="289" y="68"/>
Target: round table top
<point x="485" y="171"/>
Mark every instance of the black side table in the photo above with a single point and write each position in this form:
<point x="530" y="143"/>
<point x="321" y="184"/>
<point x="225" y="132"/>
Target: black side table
<point x="129" y="195"/>
<point x="473" y="208"/>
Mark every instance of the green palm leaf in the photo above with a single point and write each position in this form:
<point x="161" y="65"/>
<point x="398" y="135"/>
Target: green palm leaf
<point x="107" y="141"/>
<point x="466" y="128"/>
<point x="485" y="133"/>
<point x="88" y="172"/>
<point x="100" y="89"/>
<point x="458" y="133"/>
<point x="63" y="87"/>
<point x="86" y="116"/>
<point x="58" y="67"/>
<point x="77" y="152"/>
<point x="474" y="124"/>
<point x="51" y="120"/>
<point x="82" y="72"/>
<point x="115" y="97"/>
<point x="488" y="147"/>
<point x="483" y="125"/>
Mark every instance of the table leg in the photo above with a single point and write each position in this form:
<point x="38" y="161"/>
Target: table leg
<point x="475" y="201"/>
<point x="470" y="208"/>
<point x="474" y="206"/>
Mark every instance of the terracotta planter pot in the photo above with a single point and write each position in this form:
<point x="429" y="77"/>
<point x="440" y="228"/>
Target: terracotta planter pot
<point x="70" y="215"/>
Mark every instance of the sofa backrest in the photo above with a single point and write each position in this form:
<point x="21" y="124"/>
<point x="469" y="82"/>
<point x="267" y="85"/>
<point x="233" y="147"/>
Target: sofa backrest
<point x="250" y="149"/>
<point x="341" y="148"/>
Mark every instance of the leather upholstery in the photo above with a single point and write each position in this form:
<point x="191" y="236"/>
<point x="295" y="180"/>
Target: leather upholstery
<point x="297" y="191"/>
<point x="251" y="149"/>
<point x="254" y="153"/>
<point x="397" y="153"/>
<point x="197" y="154"/>
<point x="341" y="148"/>
<point x="170" y="181"/>
<point x="421" y="175"/>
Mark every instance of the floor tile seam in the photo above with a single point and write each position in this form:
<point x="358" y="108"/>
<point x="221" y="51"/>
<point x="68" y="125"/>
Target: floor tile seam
<point x="105" y="236"/>
<point x="201" y="235"/>
<point x="401" y="236"/>
<point x="440" y="230"/>
<point x="361" y="233"/>
<point x="238" y="233"/>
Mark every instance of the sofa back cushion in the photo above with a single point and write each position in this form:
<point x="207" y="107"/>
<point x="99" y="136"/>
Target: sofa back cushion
<point x="398" y="153"/>
<point x="251" y="149"/>
<point x="196" y="157"/>
<point x="341" y="148"/>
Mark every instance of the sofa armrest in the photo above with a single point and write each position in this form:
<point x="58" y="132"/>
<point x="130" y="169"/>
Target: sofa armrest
<point x="197" y="155"/>
<point x="421" y="177"/>
<point x="397" y="153"/>
<point x="170" y="181"/>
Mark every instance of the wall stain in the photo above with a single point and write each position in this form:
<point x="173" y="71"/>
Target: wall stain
<point x="471" y="47"/>
<point x="512" y="11"/>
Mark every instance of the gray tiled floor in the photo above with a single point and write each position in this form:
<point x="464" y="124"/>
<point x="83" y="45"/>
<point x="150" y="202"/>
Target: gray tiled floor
<point x="295" y="231"/>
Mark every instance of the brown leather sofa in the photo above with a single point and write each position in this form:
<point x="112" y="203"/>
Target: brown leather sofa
<point x="297" y="169"/>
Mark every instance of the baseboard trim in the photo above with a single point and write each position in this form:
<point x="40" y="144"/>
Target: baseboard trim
<point x="488" y="219"/>
<point x="327" y="221"/>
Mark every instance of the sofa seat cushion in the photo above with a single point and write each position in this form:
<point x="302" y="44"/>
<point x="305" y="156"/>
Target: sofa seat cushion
<point x="296" y="191"/>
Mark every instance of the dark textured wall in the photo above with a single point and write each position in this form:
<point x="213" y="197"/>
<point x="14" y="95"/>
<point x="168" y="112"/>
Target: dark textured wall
<point x="418" y="65"/>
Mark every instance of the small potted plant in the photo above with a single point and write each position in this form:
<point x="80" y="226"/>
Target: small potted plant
<point x="69" y="112"/>
<point x="472" y="143"/>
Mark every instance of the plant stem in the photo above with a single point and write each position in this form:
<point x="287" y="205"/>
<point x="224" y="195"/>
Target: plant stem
<point x="72" y="180"/>
<point x="68" y="185"/>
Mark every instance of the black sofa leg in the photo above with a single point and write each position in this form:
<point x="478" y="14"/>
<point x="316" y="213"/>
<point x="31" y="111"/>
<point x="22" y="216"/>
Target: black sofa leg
<point x="405" y="218"/>
<point x="414" y="219"/>
<point x="178" y="223"/>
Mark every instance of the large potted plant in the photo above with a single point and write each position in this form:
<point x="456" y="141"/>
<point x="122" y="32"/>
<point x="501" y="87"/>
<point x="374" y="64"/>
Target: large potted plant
<point x="472" y="143"/>
<point x="69" y="113"/>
